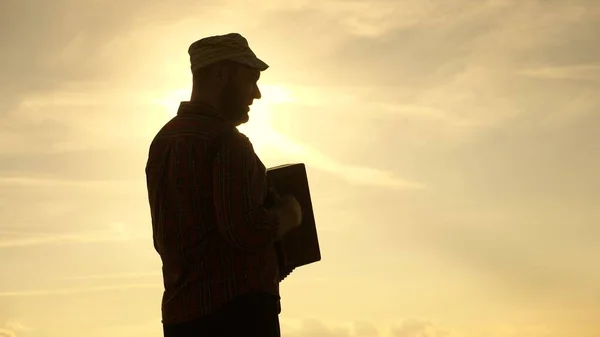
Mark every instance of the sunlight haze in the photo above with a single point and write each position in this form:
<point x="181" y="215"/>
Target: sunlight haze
<point x="452" y="149"/>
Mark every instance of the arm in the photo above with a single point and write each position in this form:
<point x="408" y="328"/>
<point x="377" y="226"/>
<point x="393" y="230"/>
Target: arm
<point x="241" y="217"/>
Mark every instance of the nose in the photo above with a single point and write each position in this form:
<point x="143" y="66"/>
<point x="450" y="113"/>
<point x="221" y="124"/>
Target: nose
<point x="257" y="94"/>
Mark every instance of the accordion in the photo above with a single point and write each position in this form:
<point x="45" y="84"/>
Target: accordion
<point x="300" y="246"/>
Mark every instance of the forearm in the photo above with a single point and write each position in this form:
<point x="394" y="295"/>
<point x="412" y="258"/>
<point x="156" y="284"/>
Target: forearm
<point x="253" y="229"/>
<point x="242" y="218"/>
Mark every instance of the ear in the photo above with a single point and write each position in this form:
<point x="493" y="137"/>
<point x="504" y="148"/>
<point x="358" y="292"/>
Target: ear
<point x="223" y="74"/>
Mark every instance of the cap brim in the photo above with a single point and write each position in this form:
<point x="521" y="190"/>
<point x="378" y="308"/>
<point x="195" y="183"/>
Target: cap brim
<point x="252" y="62"/>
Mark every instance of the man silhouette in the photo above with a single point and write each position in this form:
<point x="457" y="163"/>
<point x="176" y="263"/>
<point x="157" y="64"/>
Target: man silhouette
<point x="207" y="190"/>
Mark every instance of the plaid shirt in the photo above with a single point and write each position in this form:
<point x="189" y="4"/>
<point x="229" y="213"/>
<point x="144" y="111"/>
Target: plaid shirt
<point x="210" y="228"/>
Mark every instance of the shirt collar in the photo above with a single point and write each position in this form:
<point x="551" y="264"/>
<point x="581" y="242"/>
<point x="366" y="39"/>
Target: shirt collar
<point x="206" y="110"/>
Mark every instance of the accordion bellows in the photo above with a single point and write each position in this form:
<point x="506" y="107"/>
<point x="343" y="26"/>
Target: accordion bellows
<point x="301" y="245"/>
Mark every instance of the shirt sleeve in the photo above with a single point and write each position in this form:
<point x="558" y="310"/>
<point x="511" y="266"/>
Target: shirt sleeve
<point x="238" y="187"/>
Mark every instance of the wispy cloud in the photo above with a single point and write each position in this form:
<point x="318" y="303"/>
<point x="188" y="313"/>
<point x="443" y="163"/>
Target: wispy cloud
<point x="7" y="333"/>
<point x="70" y="291"/>
<point x="417" y="327"/>
<point x="463" y="62"/>
<point x="133" y="329"/>
<point x="12" y="327"/>
<point x="403" y="77"/>
<point x="359" y="175"/>
<point x="117" y="233"/>
<point x="263" y="134"/>
<point x="17" y="326"/>
<point x="115" y="276"/>
<point x="317" y="328"/>
<point x="354" y="174"/>
<point x="589" y="72"/>
<point x="61" y="107"/>
<point x="507" y="260"/>
<point x="47" y="182"/>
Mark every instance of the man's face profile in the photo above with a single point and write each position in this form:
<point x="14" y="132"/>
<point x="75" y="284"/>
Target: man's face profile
<point x="239" y="92"/>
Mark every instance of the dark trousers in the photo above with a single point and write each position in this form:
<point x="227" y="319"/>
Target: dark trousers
<point x="251" y="315"/>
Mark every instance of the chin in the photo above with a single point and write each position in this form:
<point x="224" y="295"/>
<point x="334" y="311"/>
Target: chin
<point x="242" y="120"/>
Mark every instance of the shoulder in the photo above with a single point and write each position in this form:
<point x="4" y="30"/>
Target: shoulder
<point x="241" y="141"/>
<point x="239" y="146"/>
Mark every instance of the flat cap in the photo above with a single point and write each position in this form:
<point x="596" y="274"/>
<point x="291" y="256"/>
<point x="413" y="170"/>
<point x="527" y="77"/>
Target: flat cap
<point x="232" y="46"/>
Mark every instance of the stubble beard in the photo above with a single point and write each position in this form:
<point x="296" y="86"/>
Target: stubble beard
<point x="234" y="107"/>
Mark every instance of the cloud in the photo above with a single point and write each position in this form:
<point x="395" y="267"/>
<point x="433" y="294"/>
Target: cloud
<point x="365" y="329"/>
<point x="90" y="40"/>
<point x="63" y="120"/>
<point x="78" y="166"/>
<point x="72" y="291"/>
<point x="354" y="174"/>
<point x="422" y="327"/>
<point x="513" y="267"/>
<point x="67" y="208"/>
<point x="579" y="106"/>
<point x="359" y="18"/>
<point x="41" y="182"/>
<point x="465" y="63"/>
<point x="148" y="328"/>
<point x="17" y="326"/>
<point x="116" y="233"/>
<point x="116" y="276"/>
<point x="589" y="72"/>
<point x="425" y="328"/>
<point x="316" y="328"/>
<point x="359" y="175"/>
<point x="266" y="137"/>
<point x="418" y="328"/>
<point x="11" y="328"/>
<point x="405" y="50"/>
<point x="458" y="94"/>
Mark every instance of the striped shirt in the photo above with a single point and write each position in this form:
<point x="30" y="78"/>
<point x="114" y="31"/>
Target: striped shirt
<point x="210" y="228"/>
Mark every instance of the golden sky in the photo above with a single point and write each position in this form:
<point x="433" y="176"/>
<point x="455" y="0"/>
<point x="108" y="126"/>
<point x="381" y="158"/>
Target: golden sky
<point x="452" y="149"/>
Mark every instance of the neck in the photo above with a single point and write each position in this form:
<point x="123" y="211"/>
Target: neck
<point x="199" y="96"/>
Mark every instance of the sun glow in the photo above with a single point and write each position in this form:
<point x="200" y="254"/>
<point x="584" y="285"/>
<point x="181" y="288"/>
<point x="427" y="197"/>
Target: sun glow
<point x="170" y="101"/>
<point x="259" y="129"/>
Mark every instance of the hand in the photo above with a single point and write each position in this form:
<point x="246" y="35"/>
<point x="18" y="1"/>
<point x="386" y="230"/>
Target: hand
<point x="273" y="198"/>
<point x="289" y="213"/>
<point x="294" y="206"/>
